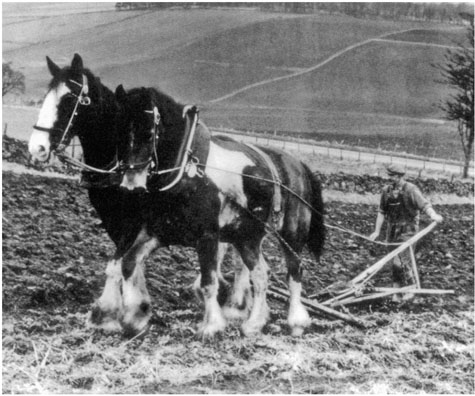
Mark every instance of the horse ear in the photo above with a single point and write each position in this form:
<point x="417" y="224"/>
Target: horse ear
<point x="76" y="64"/>
<point x="120" y="93"/>
<point x="54" y="69"/>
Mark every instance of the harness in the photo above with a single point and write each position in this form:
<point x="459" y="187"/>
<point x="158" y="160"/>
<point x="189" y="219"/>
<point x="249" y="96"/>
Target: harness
<point x="187" y="161"/>
<point x="276" y="182"/>
<point x="187" y="158"/>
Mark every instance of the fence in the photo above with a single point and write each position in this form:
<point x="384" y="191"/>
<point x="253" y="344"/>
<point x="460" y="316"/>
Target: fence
<point x="352" y="155"/>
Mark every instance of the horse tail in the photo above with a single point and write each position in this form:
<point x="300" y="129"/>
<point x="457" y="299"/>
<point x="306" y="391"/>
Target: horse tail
<point x="316" y="235"/>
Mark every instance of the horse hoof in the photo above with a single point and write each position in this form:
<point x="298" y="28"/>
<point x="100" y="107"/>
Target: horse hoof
<point x="408" y="296"/>
<point x="297" y="331"/>
<point x="209" y="332"/>
<point x="397" y="298"/>
<point x="234" y="314"/>
<point x="99" y="319"/>
<point x="249" y="329"/>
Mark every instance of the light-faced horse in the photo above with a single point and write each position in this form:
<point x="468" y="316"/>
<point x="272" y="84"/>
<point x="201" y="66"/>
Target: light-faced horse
<point x="78" y="104"/>
<point x="206" y="190"/>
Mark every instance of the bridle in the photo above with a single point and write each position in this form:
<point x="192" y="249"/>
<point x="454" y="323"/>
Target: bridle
<point x="188" y="162"/>
<point x="153" y="160"/>
<point x="82" y="99"/>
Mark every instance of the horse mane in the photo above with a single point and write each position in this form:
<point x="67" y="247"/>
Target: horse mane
<point x="171" y="112"/>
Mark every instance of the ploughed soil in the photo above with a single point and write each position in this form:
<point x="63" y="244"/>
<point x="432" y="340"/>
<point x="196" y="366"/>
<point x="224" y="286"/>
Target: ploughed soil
<point x="54" y="256"/>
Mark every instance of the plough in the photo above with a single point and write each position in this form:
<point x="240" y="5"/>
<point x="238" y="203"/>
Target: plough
<point x="358" y="290"/>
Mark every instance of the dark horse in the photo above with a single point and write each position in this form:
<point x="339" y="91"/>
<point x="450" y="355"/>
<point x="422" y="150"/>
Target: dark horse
<point x="77" y="103"/>
<point x="206" y="190"/>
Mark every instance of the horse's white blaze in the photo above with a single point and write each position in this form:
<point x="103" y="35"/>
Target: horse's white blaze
<point x="224" y="168"/>
<point x="134" y="179"/>
<point x="39" y="144"/>
<point x="298" y="316"/>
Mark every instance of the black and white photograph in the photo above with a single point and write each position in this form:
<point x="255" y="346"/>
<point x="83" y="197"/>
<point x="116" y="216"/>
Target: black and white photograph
<point x="238" y="198"/>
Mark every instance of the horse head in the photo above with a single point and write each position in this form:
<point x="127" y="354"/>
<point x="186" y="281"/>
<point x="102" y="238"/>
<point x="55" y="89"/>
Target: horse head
<point x="150" y="126"/>
<point x="138" y="128"/>
<point x="68" y="92"/>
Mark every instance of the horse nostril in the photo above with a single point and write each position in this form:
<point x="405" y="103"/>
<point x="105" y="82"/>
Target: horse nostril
<point x="41" y="149"/>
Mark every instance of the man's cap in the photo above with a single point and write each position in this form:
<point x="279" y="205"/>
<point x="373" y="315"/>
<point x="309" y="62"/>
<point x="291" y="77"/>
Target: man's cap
<point x="395" y="170"/>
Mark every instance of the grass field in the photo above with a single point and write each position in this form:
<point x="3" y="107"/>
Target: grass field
<point x="380" y="94"/>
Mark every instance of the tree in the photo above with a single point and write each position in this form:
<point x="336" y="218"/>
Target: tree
<point x="458" y="73"/>
<point x="12" y="80"/>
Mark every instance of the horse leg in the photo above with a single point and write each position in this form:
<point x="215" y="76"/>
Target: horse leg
<point x="254" y="260"/>
<point x="136" y="299"/>
<point x="240" y="301"/>
<point x="208" y="254"/>
<point x="298" y="317"/>
<point x="106" y="312"/>
<point x="223" y="284"/>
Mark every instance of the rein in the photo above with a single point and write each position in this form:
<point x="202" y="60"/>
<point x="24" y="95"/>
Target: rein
<point x="280" y="184"/>
<point x="65" y="157"/>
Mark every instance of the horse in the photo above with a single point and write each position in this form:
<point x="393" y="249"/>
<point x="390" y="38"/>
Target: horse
<point x="206" y="190"/>
<point x="77" y="103"/>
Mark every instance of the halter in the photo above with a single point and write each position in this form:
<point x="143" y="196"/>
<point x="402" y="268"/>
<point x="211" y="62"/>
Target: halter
<point x="82" y="99"/>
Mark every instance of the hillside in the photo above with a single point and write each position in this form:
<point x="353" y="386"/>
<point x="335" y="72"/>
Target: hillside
<point x="375" y="85"/>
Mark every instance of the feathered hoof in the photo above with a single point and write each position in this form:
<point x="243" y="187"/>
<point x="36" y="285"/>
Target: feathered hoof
<point x="208" y="332"/>
<point x="235" y="314"/>
<point x="297" y="331"/>
<point x="103" y="320"/>
<point x="249" y="329"/>
<point x="298" y="320"/>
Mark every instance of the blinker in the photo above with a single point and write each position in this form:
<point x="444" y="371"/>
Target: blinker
<point x="156" y="115"/>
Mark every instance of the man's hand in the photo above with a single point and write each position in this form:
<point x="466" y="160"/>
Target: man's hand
<point x="434" y="216"/>
<point x="437" y="218"/>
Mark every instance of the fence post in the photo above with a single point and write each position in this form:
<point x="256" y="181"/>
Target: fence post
<point x="5" y="129"/>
